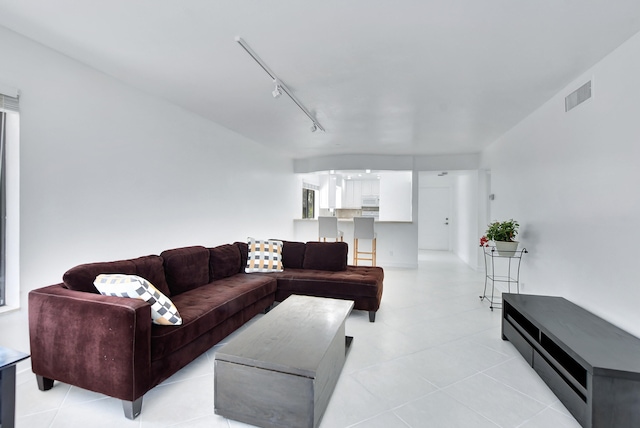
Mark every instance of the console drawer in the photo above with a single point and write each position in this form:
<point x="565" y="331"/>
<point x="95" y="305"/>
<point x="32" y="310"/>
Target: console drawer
<point x="518" y="341"/>
<point x="573" y="400"/>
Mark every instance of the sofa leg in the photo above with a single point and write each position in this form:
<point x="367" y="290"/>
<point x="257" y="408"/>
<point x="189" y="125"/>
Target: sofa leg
<point x="267" y="309"/>
<point x="44" y="383"/>
<point x="372" y="316"/>
<point x="132" y="408"/>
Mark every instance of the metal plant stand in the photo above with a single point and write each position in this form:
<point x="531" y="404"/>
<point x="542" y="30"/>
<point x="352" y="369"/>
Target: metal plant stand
<point x="512" y="268"/>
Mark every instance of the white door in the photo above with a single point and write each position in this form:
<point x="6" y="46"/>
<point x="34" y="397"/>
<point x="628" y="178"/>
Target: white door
<point x="434" y="218"/>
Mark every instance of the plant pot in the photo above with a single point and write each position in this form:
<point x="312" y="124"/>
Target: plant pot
<point x="507" y="249"/>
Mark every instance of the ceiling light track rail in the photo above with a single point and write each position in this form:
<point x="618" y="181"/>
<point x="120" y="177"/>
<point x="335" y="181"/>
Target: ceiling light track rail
<point x="279" y="84"/>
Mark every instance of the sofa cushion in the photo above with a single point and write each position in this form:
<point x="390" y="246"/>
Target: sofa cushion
<point x="354" y="280"/>
<point x="330" y="256"/>
<point x="244" y="254"/>
<point x="293" y="254"/>
<point x="163" y="311"/>
<point x="224" y="261"/>
<point x="152" y="269"/>
<point x="264" y="256"/>
<point x="362" y="284"/>
<point x="208" y="306"/>
<point x="186" y="268"/>
<point x="81" y="277"/>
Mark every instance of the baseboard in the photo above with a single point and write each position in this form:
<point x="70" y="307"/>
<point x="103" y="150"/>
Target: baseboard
<point x="398" y="265"/>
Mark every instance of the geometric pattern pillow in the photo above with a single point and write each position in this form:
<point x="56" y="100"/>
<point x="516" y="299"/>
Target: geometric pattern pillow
<point x="264" y="256"/>
<point x="163" y="311"/>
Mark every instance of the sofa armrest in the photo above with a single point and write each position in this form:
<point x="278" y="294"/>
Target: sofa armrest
<point x="100" y="343"/>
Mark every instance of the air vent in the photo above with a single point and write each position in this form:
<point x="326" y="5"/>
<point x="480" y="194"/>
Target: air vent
<point x="577" y="97"/>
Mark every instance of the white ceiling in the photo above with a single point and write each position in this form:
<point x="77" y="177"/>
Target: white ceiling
<point x="383" y="77"/>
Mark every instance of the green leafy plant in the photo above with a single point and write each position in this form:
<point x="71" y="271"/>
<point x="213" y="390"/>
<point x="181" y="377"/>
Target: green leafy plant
<point x="501" y="231"/>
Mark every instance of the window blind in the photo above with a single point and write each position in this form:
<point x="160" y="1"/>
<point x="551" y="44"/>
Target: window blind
<point x="8" y="103"/>
<point x="310" y="186"/>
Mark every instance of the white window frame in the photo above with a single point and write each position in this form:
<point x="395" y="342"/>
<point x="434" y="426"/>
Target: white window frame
<point x="12" y="177"/>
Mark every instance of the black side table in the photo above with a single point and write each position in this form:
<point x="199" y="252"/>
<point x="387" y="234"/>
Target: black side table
<point x="8" y="360"/>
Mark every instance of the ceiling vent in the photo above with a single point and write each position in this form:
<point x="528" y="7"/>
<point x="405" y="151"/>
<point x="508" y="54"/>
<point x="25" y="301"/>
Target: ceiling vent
<point x="580" y="95"/>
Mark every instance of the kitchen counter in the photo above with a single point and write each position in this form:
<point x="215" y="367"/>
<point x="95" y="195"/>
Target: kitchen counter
<point x="397" y="242"/>
<point x="350" y="220"/>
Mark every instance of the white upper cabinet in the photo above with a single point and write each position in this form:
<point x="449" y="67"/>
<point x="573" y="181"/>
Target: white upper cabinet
<point x="355" y="190"/>
<point x="352" y="194"/>
<point x="370" y="187"/>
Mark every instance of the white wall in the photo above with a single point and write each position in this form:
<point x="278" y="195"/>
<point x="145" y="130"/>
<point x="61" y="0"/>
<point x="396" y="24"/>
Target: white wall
<point x="465" y="239"/>
<point x="396" y="191"/>
<point x="108" y="172"/>
<point x="571" y="180"/>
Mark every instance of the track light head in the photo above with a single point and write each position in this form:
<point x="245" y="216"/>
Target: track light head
<point x="314" y="128"/>
<point x="277" y="91"/>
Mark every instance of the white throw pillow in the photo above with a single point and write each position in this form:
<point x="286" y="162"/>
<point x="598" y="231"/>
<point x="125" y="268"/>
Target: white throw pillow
<point x="163" y="311"/>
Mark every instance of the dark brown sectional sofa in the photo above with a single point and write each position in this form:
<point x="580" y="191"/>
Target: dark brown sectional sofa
<point x="109" y="344"/>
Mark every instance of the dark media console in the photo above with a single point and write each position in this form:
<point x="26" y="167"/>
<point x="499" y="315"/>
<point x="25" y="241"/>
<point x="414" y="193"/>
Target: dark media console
<point x="591" y="365"/>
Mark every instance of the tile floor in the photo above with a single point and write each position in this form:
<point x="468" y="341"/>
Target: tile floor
<point x="433" y="358"/>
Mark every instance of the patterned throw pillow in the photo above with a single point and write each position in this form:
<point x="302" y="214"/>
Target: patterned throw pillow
<point x="264" y="256"/>
<point x="163" y="311"/>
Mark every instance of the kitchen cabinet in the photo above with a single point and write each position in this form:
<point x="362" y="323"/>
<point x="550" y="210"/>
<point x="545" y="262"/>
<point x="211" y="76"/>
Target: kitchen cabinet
<point x="354" y="190"/>
<point x="331" y="191"/>
<point x="370" y="187"/>
<point x="352" y="194"/>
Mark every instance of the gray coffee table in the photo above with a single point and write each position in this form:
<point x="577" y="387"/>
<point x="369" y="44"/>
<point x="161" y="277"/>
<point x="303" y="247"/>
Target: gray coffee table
<point x="281" y="370"/>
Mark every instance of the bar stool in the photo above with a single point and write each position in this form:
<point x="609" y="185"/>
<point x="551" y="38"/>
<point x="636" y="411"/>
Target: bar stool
<point x="363" y="229"/>
<point x="328" y="228"/>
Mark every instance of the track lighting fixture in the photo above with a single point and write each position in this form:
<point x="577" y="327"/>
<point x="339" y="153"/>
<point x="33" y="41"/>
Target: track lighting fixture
<point x="280" y="86"/>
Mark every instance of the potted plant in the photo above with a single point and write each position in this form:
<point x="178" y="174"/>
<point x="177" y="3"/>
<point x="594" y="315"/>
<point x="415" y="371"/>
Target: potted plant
<point x="503" y="234"/>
